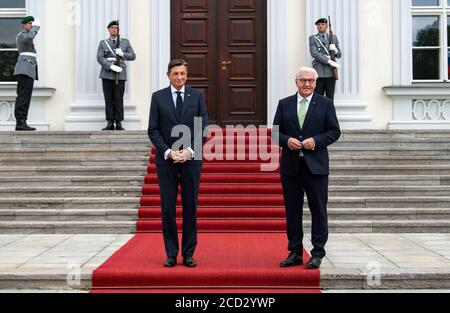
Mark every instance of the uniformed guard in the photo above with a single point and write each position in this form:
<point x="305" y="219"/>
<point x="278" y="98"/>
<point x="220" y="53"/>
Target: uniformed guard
<point x="26" y="71"/>
<point x="323" y="47"/>
<point x="112" y="54"/>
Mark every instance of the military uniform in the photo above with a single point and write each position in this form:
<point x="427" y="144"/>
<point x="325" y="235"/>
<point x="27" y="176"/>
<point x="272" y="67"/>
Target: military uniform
<point x="319" y="45"/>
<point x="114" y="93"/>
<point x="26" y="72"/>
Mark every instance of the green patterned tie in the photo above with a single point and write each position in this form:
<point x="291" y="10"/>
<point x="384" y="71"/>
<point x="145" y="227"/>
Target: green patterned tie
<point x="302" y="112"/>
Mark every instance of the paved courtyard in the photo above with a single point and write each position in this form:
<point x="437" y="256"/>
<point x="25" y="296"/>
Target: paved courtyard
<point x="61" y="263"/>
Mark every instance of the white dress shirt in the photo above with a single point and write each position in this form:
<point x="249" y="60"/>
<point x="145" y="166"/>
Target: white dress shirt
<point x="299" y="103"/>
<point x="175" y="97"/>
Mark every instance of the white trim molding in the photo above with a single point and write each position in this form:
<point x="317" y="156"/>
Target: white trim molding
<point x="350" y="106"/>
<point x="88" y="110"/>
<point x="37" y="108"/>
<point x="421" y="106"/>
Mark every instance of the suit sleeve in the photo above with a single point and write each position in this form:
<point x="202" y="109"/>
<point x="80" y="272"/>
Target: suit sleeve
<point x="129" y="53"/>
<point x="315" y="53"/>
<point x="333" y="132"/>
<point x="283" y="139"/>
<point x="101" y="59"/>
<point x="154" y="132"/>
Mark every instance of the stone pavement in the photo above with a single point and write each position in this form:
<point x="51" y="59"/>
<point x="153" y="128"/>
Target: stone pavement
<point x="61" y="263"/>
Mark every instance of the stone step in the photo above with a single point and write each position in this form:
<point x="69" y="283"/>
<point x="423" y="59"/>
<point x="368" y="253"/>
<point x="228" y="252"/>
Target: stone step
<point x="73" y="152"/>
<point x="75" y="181"/>
<point x="126" y="160"/>
<point x="134" y="202"/>
<point x="105" y="215"/>
<point x="79" y="143"/>
<point x="136" y="191"/>
<point x="111" y="227"/>
<point x="129" y="203"/>
<point x="112" y="171"/>
<point x="49" y="227"/>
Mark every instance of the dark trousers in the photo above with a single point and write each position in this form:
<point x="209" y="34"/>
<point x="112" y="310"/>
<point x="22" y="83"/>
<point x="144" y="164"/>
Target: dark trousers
<point x="170" y="178"/>
<point x="114" y="99"/>
<point x="326" y="87"/>
<point x="24" y="92"/>
<point x="316" y="189"/>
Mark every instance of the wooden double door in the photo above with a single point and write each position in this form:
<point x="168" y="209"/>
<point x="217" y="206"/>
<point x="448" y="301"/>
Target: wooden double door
<point x="225" y="44"/>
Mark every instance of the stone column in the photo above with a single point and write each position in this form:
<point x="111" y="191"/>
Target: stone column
<point x="88" y="110"/>
<point x="345" y="16"/>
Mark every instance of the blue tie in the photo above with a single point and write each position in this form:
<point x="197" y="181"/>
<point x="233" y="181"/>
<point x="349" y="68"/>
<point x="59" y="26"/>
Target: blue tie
<point x="179" y="105"/>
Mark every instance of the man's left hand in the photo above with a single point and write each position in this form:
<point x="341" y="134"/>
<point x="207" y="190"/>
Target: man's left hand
<point x="309" y="144"/>
<point x="184" y="156"/>
<point x="119" y="52"/>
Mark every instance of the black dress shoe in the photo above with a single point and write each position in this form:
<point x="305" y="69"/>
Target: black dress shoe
<point x="110" y="126"/>
<point x="21" y="125"/>
<point x="293" y="259"/>
<point x="189" y="262"/>
<point x="119" y="126"/>
<point x="171" y="262"/>
<point x="314" y="263"/>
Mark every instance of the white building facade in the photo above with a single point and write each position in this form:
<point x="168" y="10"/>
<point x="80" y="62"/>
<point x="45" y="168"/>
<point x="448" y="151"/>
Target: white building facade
<point x="395" y="65"/>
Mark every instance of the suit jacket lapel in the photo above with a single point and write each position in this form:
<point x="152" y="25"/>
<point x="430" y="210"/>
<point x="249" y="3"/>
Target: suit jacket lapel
<point x="169" y="97"/>
<point x="293" y="111"/>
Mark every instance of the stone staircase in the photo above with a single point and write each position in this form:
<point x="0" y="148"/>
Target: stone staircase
<point x="90" y="182"/>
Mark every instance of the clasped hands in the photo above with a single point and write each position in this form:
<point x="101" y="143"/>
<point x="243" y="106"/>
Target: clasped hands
<point x="180" y="157"/>
<point x="297" y="145"/>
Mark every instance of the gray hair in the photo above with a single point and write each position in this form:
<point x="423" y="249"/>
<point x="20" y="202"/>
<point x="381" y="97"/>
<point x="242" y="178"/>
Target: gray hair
<point x="308" y="70"/>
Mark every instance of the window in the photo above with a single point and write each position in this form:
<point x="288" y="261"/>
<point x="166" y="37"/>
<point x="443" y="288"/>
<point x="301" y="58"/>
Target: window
<point x="431" y="40"/>
<point x="11" y="14"/>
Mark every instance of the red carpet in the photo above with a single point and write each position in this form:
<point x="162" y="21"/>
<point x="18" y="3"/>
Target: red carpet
<point x="242" y="238"/>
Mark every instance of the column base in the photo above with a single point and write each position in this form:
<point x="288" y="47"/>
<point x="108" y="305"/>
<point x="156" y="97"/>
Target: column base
<point x="90" y="116"/>
<point x="352" y="115"/>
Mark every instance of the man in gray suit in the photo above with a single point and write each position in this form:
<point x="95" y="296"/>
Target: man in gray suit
<point x="25" y="71"/>
<point x="112" y="54"/>
<point x="321" y="49"/>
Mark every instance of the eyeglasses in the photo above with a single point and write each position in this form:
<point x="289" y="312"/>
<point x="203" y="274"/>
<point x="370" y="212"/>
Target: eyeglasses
<point x="306" y="81"/>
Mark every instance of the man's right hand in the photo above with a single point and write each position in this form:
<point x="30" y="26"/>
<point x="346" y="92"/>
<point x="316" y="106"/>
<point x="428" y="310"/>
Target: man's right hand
<point x="295" y="144"/>
<point x="334" y="64"/>
<point x="116" y="69"/>
<point x="37" y="22"/>
<point x="177" y="157"/>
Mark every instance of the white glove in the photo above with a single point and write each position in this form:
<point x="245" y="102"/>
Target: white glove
<point x="116" y="69"/>
<point x="112" y="59"/>
<point x="37" y="22"/>
<point x="334" y="48"/>
<point x="119" y="52"/>
<point x="334" y="64"/>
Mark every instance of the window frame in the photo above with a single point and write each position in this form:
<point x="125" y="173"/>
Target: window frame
<point x="12" y="13"/>
<point x="443" y="12"/>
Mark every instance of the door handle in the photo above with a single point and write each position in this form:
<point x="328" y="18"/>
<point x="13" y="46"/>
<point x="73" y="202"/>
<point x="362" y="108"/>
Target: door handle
<point x="225" y="64"/>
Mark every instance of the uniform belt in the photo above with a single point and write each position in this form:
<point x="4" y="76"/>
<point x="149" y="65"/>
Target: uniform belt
<point x="28" y="54"/>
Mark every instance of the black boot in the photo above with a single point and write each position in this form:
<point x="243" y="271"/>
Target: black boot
<point x="21" y="125"/>
<point x="119" y="126"/>
<point x="110" y="126"/>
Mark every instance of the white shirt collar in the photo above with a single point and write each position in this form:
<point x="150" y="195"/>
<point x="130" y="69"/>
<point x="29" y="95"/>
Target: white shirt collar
<point x="300" y="98"/>
<point x="175" y="90"/>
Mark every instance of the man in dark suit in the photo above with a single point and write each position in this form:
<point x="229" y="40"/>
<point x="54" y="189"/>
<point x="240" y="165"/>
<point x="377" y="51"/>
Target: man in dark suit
<point x="177" y="133"/>
<point x="307" y="126"/>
